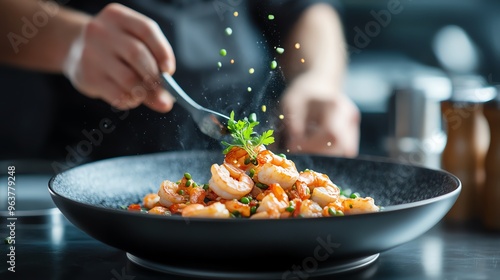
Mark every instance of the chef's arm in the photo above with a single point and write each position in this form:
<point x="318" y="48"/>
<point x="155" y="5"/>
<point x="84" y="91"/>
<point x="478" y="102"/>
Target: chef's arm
<point x="316" y="43"/>
<point x="319" y="116"/>
<point x="38" y="35"/>
<point x="115" y="56"/>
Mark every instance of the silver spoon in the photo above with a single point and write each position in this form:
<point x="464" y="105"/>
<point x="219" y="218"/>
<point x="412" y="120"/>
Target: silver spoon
<point x="211" y="123"/>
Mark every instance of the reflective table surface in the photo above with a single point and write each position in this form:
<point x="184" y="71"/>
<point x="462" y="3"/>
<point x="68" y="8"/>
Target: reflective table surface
<point x="50" y="247"/>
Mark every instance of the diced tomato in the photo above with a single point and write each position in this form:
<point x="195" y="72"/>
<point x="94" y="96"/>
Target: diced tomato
<point x="134" y="207"/>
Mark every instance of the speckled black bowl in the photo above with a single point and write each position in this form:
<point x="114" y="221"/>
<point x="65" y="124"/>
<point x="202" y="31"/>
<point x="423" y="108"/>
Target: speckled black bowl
<point x="414" y="199"/>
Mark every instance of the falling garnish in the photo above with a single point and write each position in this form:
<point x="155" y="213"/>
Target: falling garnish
<point x="264" y="108"/>
<point x="235" y="14"/>
<point x="273" y="64"/>
<point x="329" y="144"/>
<point x="302" y="60"/>
<point x="280" y="50"/>
<point x="270" y="17"/>
<point x="281" y="117"/>
<point x="245" y="137"/>
<point x="219" y="64"/>
<point x="223" y="52"/>
<point x="251" y="70"/>
<point x="228" y="31"/>
<point x="249" y="89"/>
<point x="232" y="61"/>
<point x="297" y="46"/>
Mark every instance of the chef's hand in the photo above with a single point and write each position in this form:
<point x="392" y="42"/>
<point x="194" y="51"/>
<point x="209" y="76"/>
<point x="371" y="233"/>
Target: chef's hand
<point x="117" y="58"/>
<point x="319" y="118"/>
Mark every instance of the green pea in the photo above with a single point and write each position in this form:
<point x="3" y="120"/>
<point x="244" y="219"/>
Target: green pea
<point x="274" y="64"/>
<point x="282" y="155"/>
<point x="181" y="192"/>
<point x="290" y="209"/>
<point x="194" y="185"/>
<point x="223" y="52"/>
<point x="262" y="186"/>
<point x="247" y="160"/>
<point x="280" y="50"/>
<point x="187" y="176"/>
<point x="245" y="200"/>
<point x="205" y="186"/>
<point x="270" y="17"/>
<point x="251" y="173"/>
<point x="188" y="183"/>
<point x="253" y="210"/>
<point x="252" y="118"/>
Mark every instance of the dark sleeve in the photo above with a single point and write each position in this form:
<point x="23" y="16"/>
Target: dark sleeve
<point x="285" y="12"/>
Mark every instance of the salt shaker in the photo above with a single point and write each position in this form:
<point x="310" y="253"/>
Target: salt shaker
<point x="466" y="146"/>
<point x="491" y="191"/>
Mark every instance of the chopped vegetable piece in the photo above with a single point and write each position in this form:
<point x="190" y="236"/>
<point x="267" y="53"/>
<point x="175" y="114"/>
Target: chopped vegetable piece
<point x="264" y="108"/>
<point x="219" y="64"/>
<point x="297" y="46"/>
<point x="270" y="17"/>
<point x="134" y="207"/>
<point x="354" y="195"/>
<point x="249" y="89"/>
<point x="235" y="14"/>
<point x="251" y="70"/>
<point x="280" y="50"/>
<point x="228" y="31"/>
<point x="223" y="52"/>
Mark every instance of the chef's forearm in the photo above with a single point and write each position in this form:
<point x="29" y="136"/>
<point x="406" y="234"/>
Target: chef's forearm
<point x="322" y="49"/>
<point x="37" y="34"/>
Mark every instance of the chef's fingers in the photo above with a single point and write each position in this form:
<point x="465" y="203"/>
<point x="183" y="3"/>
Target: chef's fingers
<point x="146" y="30"/>
<point x="160" y="100"/>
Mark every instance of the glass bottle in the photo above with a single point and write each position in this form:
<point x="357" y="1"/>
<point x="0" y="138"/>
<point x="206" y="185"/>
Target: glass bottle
<point x="491" y="191"/>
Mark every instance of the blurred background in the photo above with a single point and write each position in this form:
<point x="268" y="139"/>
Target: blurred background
<point x="404" y="58"/>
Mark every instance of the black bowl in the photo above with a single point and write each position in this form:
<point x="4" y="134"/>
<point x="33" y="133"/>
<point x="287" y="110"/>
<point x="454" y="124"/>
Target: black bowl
<point x="414" y="199"/>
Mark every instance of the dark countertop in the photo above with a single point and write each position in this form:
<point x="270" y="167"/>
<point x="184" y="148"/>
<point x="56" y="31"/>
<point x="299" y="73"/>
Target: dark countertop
<point x="55" y="249"/>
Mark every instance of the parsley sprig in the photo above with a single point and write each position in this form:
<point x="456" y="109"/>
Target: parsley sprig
<point x="244" y="135"/>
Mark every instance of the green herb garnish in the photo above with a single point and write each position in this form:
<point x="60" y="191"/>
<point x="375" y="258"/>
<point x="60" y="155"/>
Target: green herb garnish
<point x="244" y="136"/>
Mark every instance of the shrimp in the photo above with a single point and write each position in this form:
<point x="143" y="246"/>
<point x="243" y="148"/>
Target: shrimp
<point x="275" y="200"/>
<point x="312" y="179"/>
<point x="275" y="169"/>
<point x="325" y="195"/>
<point x="359" y="205"/>
<point x="215" y="210"/>
<point x="271" y="214"/>
<point x="229" y="182"/>
<point x="159" y="210"/>
<point x="310" y="209"/>
<point x="240" y="159"/>
<point x="235" y="205"/>
<point x="169" y="195"/>
<point x="151" y="200"/>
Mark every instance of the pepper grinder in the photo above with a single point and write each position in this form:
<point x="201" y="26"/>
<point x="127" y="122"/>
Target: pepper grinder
<point x="491" y="193"/>
<point x="466" y="146"/>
